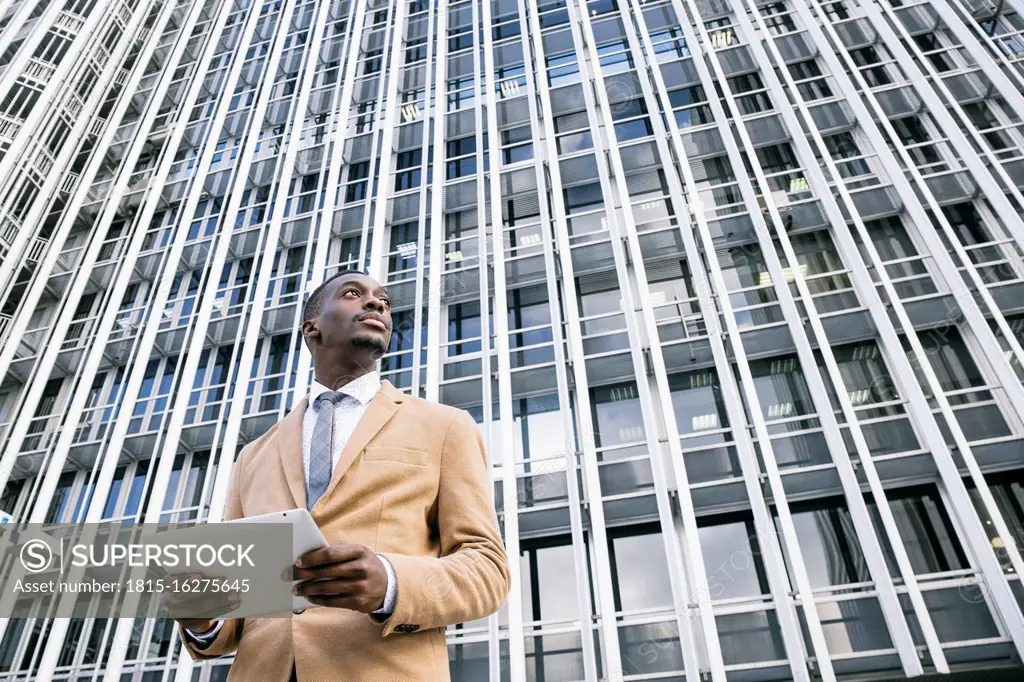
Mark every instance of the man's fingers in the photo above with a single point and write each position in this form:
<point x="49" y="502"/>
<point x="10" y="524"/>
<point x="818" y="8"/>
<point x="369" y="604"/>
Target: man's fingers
<point x="343" y="588"/>
<point x="336" y="601"/>
<point x="350" y="570"/>
<point x="200" y="604"/>
<point x="337" y="553"/>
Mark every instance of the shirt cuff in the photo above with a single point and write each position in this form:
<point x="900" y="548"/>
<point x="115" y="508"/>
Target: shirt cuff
<point x="392" y="592"/>
<point x="208" y="636"/>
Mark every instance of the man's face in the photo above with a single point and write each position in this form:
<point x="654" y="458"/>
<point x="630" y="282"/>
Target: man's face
<point x="356" y="315"/>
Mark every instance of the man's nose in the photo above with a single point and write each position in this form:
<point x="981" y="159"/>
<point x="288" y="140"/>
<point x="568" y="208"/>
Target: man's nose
<point x="374" y="303"/>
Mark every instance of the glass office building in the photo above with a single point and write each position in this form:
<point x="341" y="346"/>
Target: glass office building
<point x="734" y="289"/>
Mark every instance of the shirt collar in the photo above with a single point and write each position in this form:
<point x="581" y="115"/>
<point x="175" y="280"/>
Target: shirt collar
<point x="362" y="389"/>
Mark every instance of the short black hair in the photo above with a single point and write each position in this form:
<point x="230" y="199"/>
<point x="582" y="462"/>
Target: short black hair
<point x="315" y="303"/>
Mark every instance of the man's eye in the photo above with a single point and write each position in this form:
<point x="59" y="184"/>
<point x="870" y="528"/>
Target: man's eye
<point x="387" y="301"/>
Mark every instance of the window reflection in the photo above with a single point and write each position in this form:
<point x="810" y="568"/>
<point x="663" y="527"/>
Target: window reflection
<point x="1008" y="490"/>
<point x="781" y="388"/>
<point x="697" y="402"/>
<point x="950" y="359"/>
<point x="926" y="532"/>
<point x="618" y="420"/>
<point x="829" y="546"/>
<point x="639" y="568"/>
<point x="548" y="579"/>
<point x="469" y="662"/>
<point x="732" y="557"/>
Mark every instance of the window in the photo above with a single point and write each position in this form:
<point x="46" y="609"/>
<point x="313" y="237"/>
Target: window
<point x="185" y="488"/>
<point x="404" y="248"/>
<point x="968" y="225"/>
<point x="511" y="155"/>
<point x="575" y="142"/>
<point x="11" y="495"/>
<point x="562" y="69"/>
<point x="632" y="130"/>
<point x="828" y="543"/>
<point x="697" y="402"/>
<point x="778" y="19"/>
<point x="460" y="168"/>
<point x="865" y="375"/>
<point x="461" y="147"/>
<point x="63" y="497"/>
<point x="781" y="388"/>
<point x="1008" y="490"/>
<point x="583" y="197"/>
<point x="810" y="81"/>
<point x="365" y="117"/>
<point x="409" y="171"/>
<point x="640" y="578"/>
<point x="866" y="58"/>
<point x="926" y="532"/>
<point x="702" y="422"/>
<point x="548" y="579"/>
<point x="732" y="557"/>
<point x="359" y="172"/>
<point x="777" y="158"/>
<point x="464" y="328"/>
<point x="618" y="420"/>
<point x="950" y="359"/>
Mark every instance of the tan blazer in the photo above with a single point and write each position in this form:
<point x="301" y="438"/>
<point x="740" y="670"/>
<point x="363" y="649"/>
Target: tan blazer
<point x="413" y="485"/>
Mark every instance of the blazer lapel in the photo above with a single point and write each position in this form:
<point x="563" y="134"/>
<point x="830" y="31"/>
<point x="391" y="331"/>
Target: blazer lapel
<point x="289" y="449"/>
<point x="382" y="407"/>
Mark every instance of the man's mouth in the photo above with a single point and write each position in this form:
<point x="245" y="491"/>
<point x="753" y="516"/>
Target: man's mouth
<point x="373" y="322"/>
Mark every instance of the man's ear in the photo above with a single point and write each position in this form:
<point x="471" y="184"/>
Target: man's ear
<point x="309" y="330"/>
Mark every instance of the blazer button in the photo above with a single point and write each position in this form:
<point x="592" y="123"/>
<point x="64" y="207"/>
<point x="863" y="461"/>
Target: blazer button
<point x="298" y="611"/>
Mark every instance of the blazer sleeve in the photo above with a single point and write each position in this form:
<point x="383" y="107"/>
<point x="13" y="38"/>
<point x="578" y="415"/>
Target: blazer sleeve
<point x="470" y="579"/>
<point x="230" y="633"/>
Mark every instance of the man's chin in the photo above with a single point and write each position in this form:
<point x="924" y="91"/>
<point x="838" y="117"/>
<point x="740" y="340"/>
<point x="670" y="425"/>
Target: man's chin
<point x="370" y="342"/>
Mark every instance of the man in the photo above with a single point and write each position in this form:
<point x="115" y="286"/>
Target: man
<point x="400" y="490"/>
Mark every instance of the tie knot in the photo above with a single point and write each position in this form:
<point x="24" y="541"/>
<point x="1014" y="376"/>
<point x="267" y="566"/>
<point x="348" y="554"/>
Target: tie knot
<point x="333" y="397"/>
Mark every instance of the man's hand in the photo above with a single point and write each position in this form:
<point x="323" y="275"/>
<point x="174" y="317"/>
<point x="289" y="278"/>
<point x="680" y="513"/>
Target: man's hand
<point x="198" y="604"/>
<point x="196" y="625"/>
<point x="344" y="575"/>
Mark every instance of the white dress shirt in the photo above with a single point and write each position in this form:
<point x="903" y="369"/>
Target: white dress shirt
<point x="346" y="416"/>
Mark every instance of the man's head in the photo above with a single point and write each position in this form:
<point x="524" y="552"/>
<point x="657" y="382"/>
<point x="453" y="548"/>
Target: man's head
<point x="348" y="318"/>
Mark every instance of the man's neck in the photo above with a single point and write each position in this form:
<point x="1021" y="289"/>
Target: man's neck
<point x="336" y="379"/>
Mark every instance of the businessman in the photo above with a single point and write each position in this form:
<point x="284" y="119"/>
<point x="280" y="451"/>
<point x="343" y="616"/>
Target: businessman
<point x="400" y="489"/>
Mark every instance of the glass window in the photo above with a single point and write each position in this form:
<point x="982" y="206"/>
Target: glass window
<point x="950" y="359"/>
<point x="115" y="491"/>
<point x="697" y="402"/>
<point x="575" y="142"/>
<point x="639" y="568"/>
<point x="617" y="417"/>
<point x="469" y="662"/>
<point x="926" y="532"/>
<point x="549" y="579"/>
<point x="541" y="430"/>
<point x="752" y="637"/>
<point x="1008" y="490"/>
<point x="632" y="130"/>
<point x="865" y="375"/>
<point x="732" y="557"/>
<point x="61" y="498"/>
<point x="828" y="543"/>
<point x="781" y="388"/>
<point x="460" y="168"/>
<point x="464" y="324"/>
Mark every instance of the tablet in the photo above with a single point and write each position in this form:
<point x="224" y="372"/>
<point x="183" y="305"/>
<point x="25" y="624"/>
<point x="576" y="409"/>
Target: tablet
<point x="306" y="537"/>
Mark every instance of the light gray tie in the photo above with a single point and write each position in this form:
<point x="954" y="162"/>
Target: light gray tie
<point x="321" y="450"/>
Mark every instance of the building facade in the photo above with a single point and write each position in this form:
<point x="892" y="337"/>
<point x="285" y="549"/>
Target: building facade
<point x="733" y="288"/>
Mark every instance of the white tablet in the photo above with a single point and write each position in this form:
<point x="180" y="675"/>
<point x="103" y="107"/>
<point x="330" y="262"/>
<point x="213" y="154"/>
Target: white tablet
<point x="306" y="537"/>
